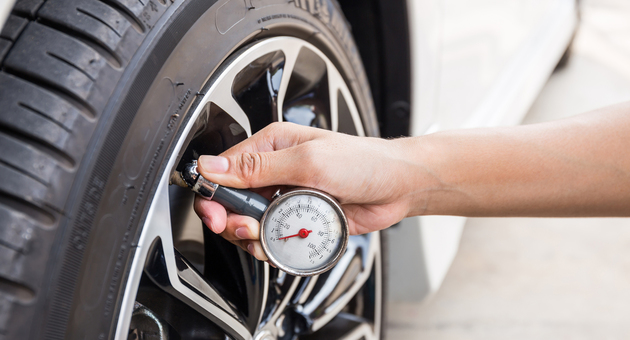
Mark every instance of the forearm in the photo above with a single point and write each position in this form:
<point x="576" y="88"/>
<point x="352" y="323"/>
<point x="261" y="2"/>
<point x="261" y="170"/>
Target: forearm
<point x="573" y="167"/>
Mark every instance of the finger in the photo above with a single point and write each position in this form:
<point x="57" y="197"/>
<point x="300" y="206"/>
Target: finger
<point x="241" y="227"/>
<point x="241" y="244"/>
<point x="255" y="249"/>
<point x="252" y="247"/>
<point x="363" y="219"/>
<point x="276" y="155"/>
<point x="258" y="169"/>
<point x="212" y="214"/>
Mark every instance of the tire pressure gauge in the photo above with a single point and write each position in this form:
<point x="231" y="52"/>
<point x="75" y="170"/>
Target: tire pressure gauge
<point x="303" y="232"/>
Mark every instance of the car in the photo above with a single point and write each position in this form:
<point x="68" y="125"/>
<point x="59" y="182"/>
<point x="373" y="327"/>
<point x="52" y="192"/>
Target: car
<point x="103" y="100"/>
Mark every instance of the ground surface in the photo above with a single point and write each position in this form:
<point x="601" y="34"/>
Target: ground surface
<point x="520" y="278"/>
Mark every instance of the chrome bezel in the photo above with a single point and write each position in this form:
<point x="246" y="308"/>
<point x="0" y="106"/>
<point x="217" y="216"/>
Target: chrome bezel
<point x="345" y="233"/>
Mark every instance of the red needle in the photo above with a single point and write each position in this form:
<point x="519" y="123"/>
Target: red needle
<point x="303" y="233"/>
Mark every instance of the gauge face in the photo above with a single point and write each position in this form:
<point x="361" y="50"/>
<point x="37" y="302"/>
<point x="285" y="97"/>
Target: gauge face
<point x="304" y="232"/>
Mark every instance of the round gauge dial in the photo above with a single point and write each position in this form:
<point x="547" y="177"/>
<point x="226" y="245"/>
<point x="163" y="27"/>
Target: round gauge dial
<point x="304" y="232"/>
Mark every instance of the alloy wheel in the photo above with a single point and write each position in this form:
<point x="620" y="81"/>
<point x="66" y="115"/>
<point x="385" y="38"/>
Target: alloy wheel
<point x="186" y="282"/>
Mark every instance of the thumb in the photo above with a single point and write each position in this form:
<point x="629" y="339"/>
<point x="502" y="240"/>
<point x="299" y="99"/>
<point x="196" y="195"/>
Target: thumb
<point x="254" y="169"/>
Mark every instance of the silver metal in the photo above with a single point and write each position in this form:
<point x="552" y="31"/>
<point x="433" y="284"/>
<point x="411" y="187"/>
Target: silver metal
<point x="198" y="183"/>
<point x="264" y="335"/>
<point x="159" y="220"/>
<point x="158" y="270"/>
<point x="276" y="195"/>
<point x="344" y="281"/>
<point x="273" y="325"/>
<point x="205" y="188"/>
<point x="308" y="289"/>
<point x="345" y="233"/>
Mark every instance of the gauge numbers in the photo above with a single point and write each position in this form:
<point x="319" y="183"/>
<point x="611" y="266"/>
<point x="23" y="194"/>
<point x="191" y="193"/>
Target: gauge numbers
<point x="303" y="232"/>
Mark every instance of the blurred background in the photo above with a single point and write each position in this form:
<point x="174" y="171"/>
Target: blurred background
<point x="526" y="278"/>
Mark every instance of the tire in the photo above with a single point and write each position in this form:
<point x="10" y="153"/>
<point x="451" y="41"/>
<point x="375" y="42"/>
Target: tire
<point x="101" y="99"/>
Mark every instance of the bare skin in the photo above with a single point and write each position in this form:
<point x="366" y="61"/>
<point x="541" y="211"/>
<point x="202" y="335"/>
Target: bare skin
<point x="573" y="167"/>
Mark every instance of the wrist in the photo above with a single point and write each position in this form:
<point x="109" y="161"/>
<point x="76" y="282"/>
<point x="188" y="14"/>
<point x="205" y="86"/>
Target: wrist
<point x="425" y="188"/>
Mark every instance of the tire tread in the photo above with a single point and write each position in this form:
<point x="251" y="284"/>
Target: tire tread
<point x="18" y="231"/>
<point x="27" y="8"/>
<point x="60" y="61"/>
<point x="92" y="22"/>
<point x="13" y="27"/>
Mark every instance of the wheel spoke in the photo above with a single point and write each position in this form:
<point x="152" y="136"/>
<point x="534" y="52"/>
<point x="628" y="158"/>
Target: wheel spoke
<point x="172" y="273"/>
<point x="338" y="90"/>
<point x="222" y="97"/>
<point x="342" y="282"/>
<point x="305" y="293"/>
<point x="291" y="53"/>
<point x="295" y="281"/>
<point x="282" y="288"/>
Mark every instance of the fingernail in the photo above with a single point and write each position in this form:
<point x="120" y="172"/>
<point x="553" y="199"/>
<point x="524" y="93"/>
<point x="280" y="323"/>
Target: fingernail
<point x="214" y="164"/>
<point x="250" y="249"/>
<point x="208" y="223"/>
<point x="242" y="233"/>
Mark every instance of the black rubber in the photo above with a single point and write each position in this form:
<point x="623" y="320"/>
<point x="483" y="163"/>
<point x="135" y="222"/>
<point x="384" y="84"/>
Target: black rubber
<point x="61" y="61"/>
<point x="90" y="96"/>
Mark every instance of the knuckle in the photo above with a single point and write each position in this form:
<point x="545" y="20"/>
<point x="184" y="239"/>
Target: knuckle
<point x="249" y="165"/>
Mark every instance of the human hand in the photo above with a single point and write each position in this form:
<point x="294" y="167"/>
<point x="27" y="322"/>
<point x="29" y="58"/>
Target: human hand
<point x="369" y="176"/>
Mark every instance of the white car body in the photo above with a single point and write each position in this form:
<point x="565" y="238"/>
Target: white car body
<point x="474" y="64"/>
<point x="5" y="10"/>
